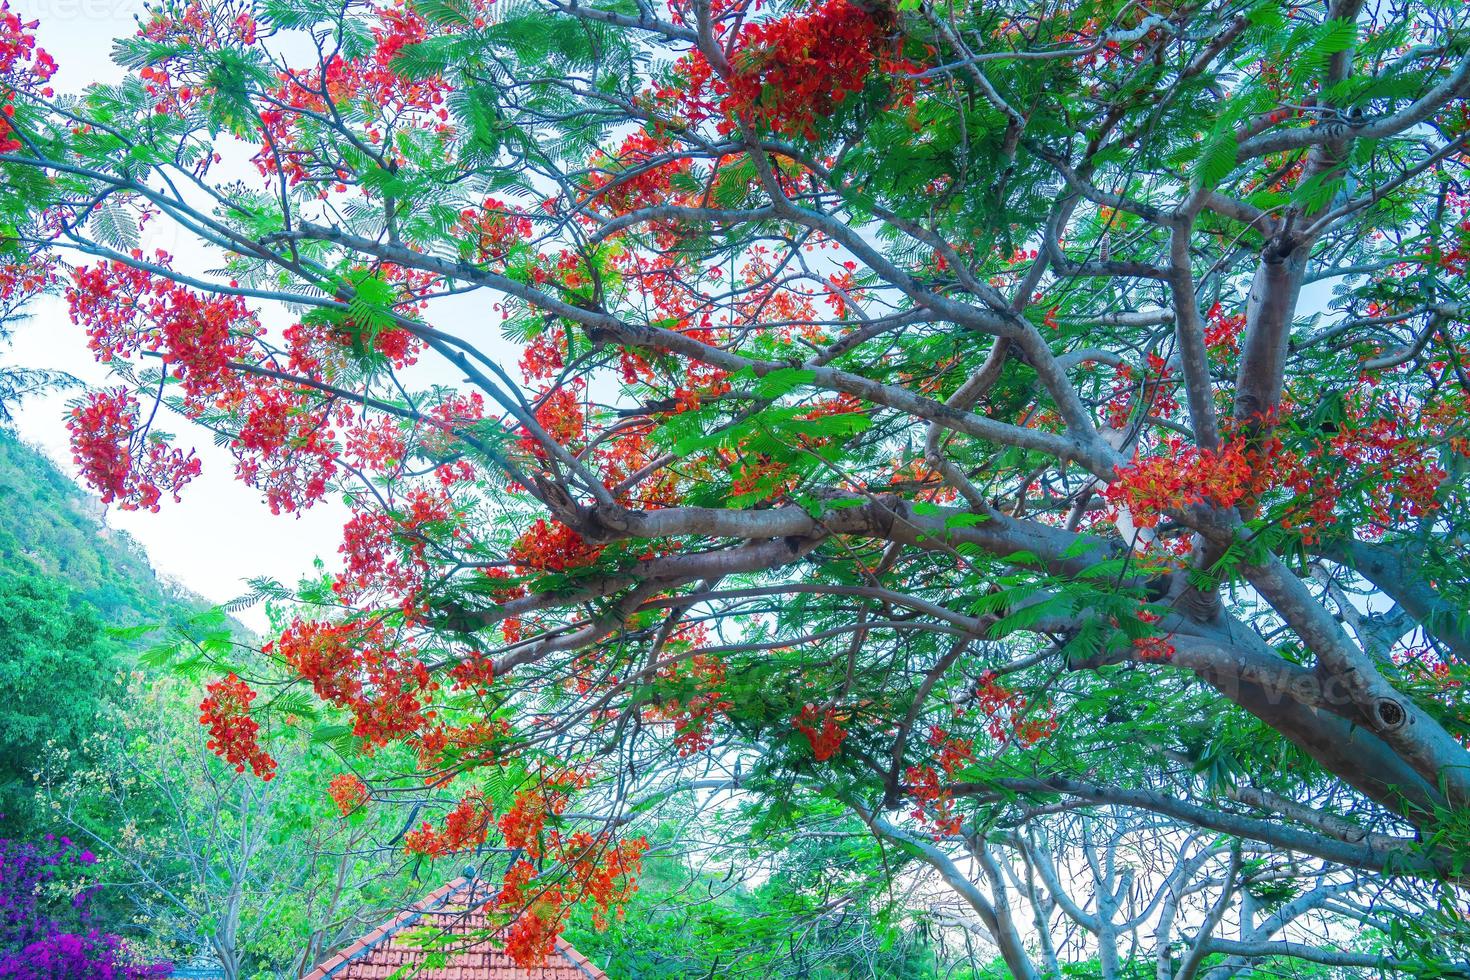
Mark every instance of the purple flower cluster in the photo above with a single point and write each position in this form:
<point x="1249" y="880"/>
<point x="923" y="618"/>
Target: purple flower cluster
<point x="42" y="938"/>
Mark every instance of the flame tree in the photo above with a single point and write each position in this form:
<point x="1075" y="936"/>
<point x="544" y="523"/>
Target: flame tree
<point x="938" y="408"/>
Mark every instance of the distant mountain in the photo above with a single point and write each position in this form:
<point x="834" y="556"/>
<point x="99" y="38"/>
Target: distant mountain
<point x="51" y="527"/>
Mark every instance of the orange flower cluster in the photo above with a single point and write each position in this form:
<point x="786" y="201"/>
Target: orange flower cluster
<point x="1006" y="713"/>
<point x="522" y="824"/>
<point x="932" y="802"/>
<point x="359" y="667"/>
<point x="23" y="66"/>
<point x="587" y="867"/>
<point x="592" y="868"/>
<point x="446" y="749"/>
<point x="465" y="828"/>
<point x="492" y="228"/>
<point x="641" y="174"/>
<point x="560" y="415"/>
<point x="954" y="753"/>
<point x="1183" y="476"/>
<point x="1398" y="473"/>
<point x="789" y="71"/>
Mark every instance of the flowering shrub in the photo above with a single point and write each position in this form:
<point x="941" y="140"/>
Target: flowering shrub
<point x="42" y="938"/>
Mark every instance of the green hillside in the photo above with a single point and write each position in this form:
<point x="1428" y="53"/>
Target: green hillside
<point x="51" y="528"/>
<point x="66" y="582"/>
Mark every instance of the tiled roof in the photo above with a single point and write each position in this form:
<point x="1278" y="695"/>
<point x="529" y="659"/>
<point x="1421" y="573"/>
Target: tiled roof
<point x="457" y="909"/>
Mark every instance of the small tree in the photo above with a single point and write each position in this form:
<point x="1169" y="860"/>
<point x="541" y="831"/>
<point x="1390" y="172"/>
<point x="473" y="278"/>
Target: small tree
<point x="268" y="878"/>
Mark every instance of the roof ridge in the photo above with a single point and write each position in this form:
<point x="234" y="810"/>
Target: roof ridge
<point x="582" y="963"/>
<point x="388" y="929"/>
<point x="429" y="905"/>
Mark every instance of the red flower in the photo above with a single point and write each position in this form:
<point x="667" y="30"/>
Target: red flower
<point x="552" y="547"/>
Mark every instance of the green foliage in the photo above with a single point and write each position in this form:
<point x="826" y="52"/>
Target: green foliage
<point x="57" y="669"/>
<point x="816" y="909"/>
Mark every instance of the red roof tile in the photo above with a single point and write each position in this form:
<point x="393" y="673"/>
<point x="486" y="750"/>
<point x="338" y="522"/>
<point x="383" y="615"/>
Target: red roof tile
<point x="457" y="909"/>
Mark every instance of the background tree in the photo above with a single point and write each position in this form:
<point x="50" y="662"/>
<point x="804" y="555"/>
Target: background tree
<point x="57" y="670"/>
<point x="267" y="878"/>
<point x="938" y="404"/>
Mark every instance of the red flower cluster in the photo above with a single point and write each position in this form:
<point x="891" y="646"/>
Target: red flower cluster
<point x="475" y="672"/>
<point x="283" y="446"/>
<point x="119" y="459"/>
<point x="368" y="88"/>
<point x="233" y="734"/>
<point x="1185" y="476"/>
<point x="1222" y="332"/>
<point x="445" y="750"/>
<point x="19" y="281"/>
<point x="598" y="870"/>
<point x="284" y="443"/>
<point x="387" y="550"/>
<point x="932" y="802"/>
<point x="1153" y="648"/>
<point x="23" y="67"/>
<point x="359" y="667"/>
<point x="522" y="824"/>
<point x="641" y="174"/>
<point x="1006" y="714"/>
<point x="127" y="310"/>
<point x="348" y="792"/>
<point x="798" y="68"/>
<point x="588" y="867"/>
<point x="543" y="355"/>
<point x="560" y="415"/>
<point x="821" y="730"/>
<point x="593" y="867"/>
<point x="550" y="546"/>
<point x="492" y="228"/>
<point x="1401" y="474"/>
<point x="1398" y="473"/>
<point x="954" y="753"/>
<point x="789" y="71"/>
<point x="532" y="936"/>
<point x="694" y="714"/>
<point x="177" y="82"/>
<point x="465" y="828"/>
